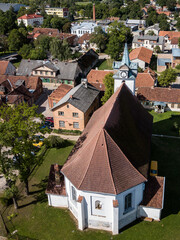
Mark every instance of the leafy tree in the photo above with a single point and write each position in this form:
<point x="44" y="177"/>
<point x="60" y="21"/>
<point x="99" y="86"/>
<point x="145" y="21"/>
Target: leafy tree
<point x="117" y="34"/>
<point x="38" y="53"/>
<point x="14" y="40"/>
<point x="99" y="37"/>
<point x="166" y="77"/>
<point x="12" y="193"/>
<point x="3" y="43"/>
<point x="17" y="130"/>
<point x="67" y="27"/>
<point x="22" y="11"/>
<point x="163" y="24"/>
<point x="157" y="49"/>
<point x="60" y="49"/>
<point x="171" y="4"/>
<point x="178" y="24"/>
<point x="43" y="41"/>
<point x="109" y="87"/>
<point x="25" y="51"/>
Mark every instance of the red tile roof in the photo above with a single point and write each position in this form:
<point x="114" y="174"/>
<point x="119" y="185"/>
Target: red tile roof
<point x="168" y="13"/>
<point x="85" y="37"/>
<point x="141" y="53"/>
<point x="154" y="192"/>
<point x="112" y="154"/>
<point x="3" y="66"/>
<point x="175" y="40"/>
<point x="61" y="91"/>
<point x="149" y="70"/>
<point x="170" y="34"/>
<point x="170" y="95"/>
<point x="30" y="16"/>
<point x="144" y="80"/>
<point x="96" y="77"/>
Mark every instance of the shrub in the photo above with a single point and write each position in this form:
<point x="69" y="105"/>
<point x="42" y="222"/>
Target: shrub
<point x="54" y="142"/>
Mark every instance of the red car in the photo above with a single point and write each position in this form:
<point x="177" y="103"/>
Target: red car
<point x="49" y="119"/>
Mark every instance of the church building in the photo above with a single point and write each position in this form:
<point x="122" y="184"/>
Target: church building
<point x="105" y="181"/>
<point x="125" y="71"/>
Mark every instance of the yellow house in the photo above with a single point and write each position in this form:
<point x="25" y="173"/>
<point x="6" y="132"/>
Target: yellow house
<point x="74" y="110"/>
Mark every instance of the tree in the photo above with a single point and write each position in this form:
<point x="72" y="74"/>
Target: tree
<point x="151" y="33"/>
<point x="17" y="131"/>
<point x="99" y="37"/>
<point x="179" y="42"/>
<point x="178" y="24"/>
<point x="157" y="49"/>
<point x="67" y="27"/>
<point x="3" y="43"/>
<point x="109" y="87"/>
<point x="117" y="34"/>
<point x="25" y="51"/>
<point x="60" y="49"/>
<point x="38" y="53"/>
<point x="171" y="4"/>
<point x="43" y="41"/>
<point x="166" y="77"/>
<point x="14" y="40"/>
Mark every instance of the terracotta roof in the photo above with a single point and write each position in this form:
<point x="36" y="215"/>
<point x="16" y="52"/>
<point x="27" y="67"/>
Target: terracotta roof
<point x="170" y="95"/>
<point x="112" y="154"/>
<point x="96" y="77"/>
<point x="154" y="192"/>
<point x="61" y="91"/>
<point x="3" y="66"/>
<point x="175" y="40"/>
<point x="168" y="13"/>
<point x="171" y="34"/>
<point x="141" y="53"/>
<point x="144" y="80"/>
<point x="85" y="37"/>
<point x="149" y="70"/>
<point x="30" y="82"/>
<point x="30" y="16"/>
<point x="11" y="99"/>
<point x="52" y="187"/>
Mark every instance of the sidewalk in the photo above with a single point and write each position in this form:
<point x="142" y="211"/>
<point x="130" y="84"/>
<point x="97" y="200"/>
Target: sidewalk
<point x="68" y="137"/>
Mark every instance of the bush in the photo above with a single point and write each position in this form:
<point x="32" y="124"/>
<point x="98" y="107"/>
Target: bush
<point x="67" y="132"/>
<point x="178" y="66"/>
<point x="54" y="142"/>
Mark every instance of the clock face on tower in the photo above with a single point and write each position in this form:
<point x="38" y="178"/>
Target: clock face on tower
<point x="123" y="74"/>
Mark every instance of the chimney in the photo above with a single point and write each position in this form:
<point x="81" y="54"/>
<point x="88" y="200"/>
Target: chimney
<point x="94" y="12"/>
<point x="57" y="174"/>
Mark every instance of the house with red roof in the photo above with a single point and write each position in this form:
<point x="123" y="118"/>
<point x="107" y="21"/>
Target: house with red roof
<point x="31" y="19"/>
<point x="6" y="67"/>
<point x="142" y="56"/>
<point x="105" y="180"/>
<point x="170" y="39"/>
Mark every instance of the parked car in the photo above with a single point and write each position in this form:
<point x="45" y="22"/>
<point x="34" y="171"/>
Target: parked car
<point x="154" y="168"/>
<point x="49" y="119"/>
<point x="38" y="141"/>
<point x="49" y="124"/>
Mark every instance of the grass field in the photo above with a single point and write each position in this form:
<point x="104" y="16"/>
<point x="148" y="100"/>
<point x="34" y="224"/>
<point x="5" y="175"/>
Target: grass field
<point x="164" y="123"/>
<point x="35" y="220"/>
<point x="106" y="65"/>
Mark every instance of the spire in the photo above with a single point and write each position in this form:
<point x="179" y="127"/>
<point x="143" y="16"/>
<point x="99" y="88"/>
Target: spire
<point x="125" y="58"/>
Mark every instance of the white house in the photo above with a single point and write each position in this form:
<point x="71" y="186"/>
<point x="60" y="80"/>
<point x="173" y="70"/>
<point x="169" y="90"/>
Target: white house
<point x="171" y="39"/>
<point x="148" y="41"/>
<point x="154" y="28"/>
<point x="103" y="180"/>
<point x="31" y="19"/>
<point x="81" y="28"/>
<point x="125" y="71"/>
<point x="142" y="56"/>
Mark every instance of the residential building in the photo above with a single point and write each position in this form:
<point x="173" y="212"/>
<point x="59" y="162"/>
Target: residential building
<point x="81" y="28"/>
<point x="160" y="99"/>
<point x="170" y="38"/>
<point x="17" y="89"/>
<point x="60" y="12"/>
<point x="84" y="41"/>
<point x="6" y="67"/>
<point x="154" y="28"/>
<point x="148" y="41"/>
<point x="145" y="80"/>
<point x="167" y="60"/>
<point x="142" y="56"/>
<point x="96" y="78"/>
<point x="59" y="72"/>
<point x="57" y="94"/>
<point x="31" y="20"/>
<point x="125" y="71"/>
<point x="105" y="181"/>
<point x="6" y="6"/>
<point x="74" y="110"/>
<point x="135" y="22"/>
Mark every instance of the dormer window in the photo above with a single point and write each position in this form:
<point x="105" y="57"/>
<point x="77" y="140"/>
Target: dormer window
<point x="98" y="205"/>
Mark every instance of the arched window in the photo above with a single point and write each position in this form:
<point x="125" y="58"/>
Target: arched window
<point x="98" y="205"/>
<point x="128" y="202"/>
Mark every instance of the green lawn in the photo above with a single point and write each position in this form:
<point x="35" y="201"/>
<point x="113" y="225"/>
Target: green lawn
<point x="36" y="220"/>
<point x="106" y="65"/>
<point x="164" y="123"/>
<point x="83" y="3"/>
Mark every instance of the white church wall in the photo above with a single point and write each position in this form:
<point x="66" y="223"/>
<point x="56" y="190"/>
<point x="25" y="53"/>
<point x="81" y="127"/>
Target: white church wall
<point x="131" y="215"/>
<point x="129" y="83"/>
<point x="57" y="200"/>
<point x="154" y="213"/>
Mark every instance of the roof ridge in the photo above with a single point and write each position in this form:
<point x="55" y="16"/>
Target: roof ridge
<point x="115" y="190"/>
<point x="91" y="157"/>
<point x="125" y="156"/>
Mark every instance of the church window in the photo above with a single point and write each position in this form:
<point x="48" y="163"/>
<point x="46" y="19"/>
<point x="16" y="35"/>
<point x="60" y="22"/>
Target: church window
<point x="73" y="191"/>
<point x="98" y="205"/>
<point x="128" y="202"/>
